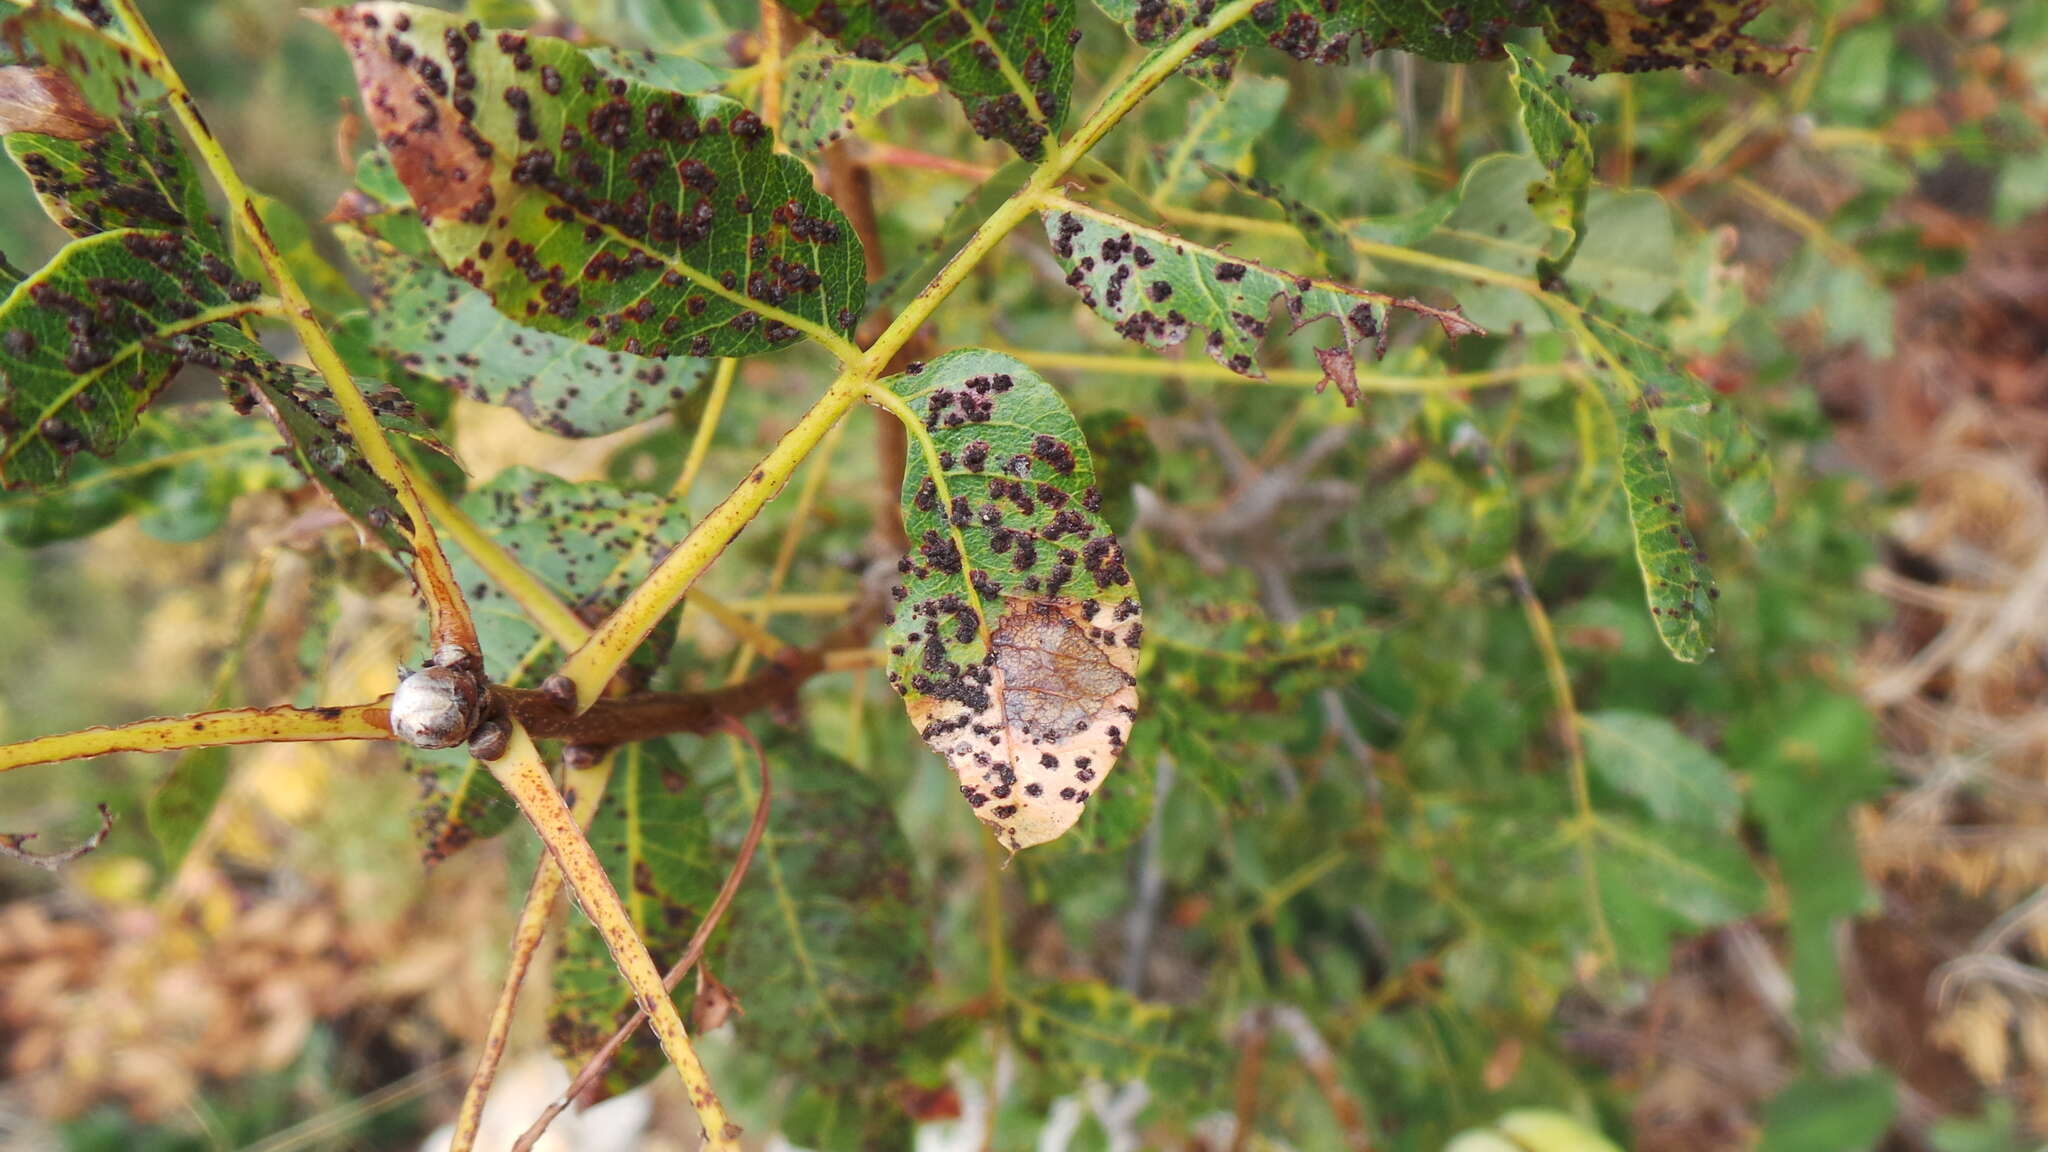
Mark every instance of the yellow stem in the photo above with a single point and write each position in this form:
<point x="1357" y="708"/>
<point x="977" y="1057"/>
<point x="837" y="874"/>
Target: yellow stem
<point x="448" y="614"/>
<point x="1153" y="366"/>
<point x="207" y="730"/>
<point x="525" y="777"/>
<point x="1798" y="219"/>
<point x="586" y="788"/>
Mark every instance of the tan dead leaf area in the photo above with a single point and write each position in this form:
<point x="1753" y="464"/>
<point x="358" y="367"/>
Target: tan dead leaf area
<point x="1058" y="709"/>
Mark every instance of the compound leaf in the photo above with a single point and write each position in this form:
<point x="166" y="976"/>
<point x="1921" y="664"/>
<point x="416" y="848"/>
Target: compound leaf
<point x="596" y="206"/>
<point x="1014" y="637"/>
<point x="1226" y="660"/>
<point x="1011" y="66"/>
<point x="439" y="328"/>
<point x="90" y="340"/>
<point x="1157" y="288"/>
<point x="651" y="833"/>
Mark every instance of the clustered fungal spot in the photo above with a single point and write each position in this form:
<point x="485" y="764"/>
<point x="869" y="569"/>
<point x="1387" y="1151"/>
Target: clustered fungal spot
<point x="1157" y="288"/>
<point x="94" y="337"/>
<point x="1014" y="629"/>
<point x="1008" y="62"/>
<point x="596" y="206"/>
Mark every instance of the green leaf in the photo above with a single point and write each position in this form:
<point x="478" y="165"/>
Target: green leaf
<point x="1224" y="660"/>
<point x="1221" y="130"/>
<point x="1010" y="66"/>
<point x="304" y="411"/>
<point x="1644" y="756"/>
<point x="828" y="96"/>
<point x="1599" y="35"/>
<point x="827" y="944"/>
<point x="441" y="329"/>
<point x="1850" y="1114"/>
<point x="1082" y="1030"/>
<point x="1157" y="288"/>
<point x="595" y="206"/>
<point x="1659" y="882"/>
<point x="89" y="343"/>
<point x="134" y="173"/>
<point x="1681" y="590"/>
<point x="1627" y="257"/>
<point x="1014" y="635"/>
<point x="182" y="802"/>
<point x="1737" y="461"/>
<point x="651" y="833"/>
<point x="179" y="472"/>
<point x="1557" y="134"/>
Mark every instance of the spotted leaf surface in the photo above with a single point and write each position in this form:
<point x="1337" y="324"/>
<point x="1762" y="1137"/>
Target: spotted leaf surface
<point x="131" y="173"/>
<point x="828" y="96"/>
<point x="442" y="329"/>
<point x="1157" y="288"/>
<point x="1737" y="459"/>
<point x="1599" y="35"/>
<point x="1557" y="135"/>
<point x="1010" y="63"/>
<point x="305" y="414"/>
<point x="1675" y="575"/>
<point x="655" y="843"/>
<point x="596" y="206"/>
<point x="178" y="475"/>
<point x="1014" y="635"/>
<point x="827" y="945"/>
<point x="87" y="342"/>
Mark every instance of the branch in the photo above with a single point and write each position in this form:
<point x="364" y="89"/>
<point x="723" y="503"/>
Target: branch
<point x="525" y="777"/>
<point x="11" y="846"/>
<point x="601" y="1059"/>
<point x="281" y="725"/>
<point x="448" y="614"/>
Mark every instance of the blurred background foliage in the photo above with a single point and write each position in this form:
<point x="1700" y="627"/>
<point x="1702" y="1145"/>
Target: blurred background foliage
<point x="1332" y="898"/>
